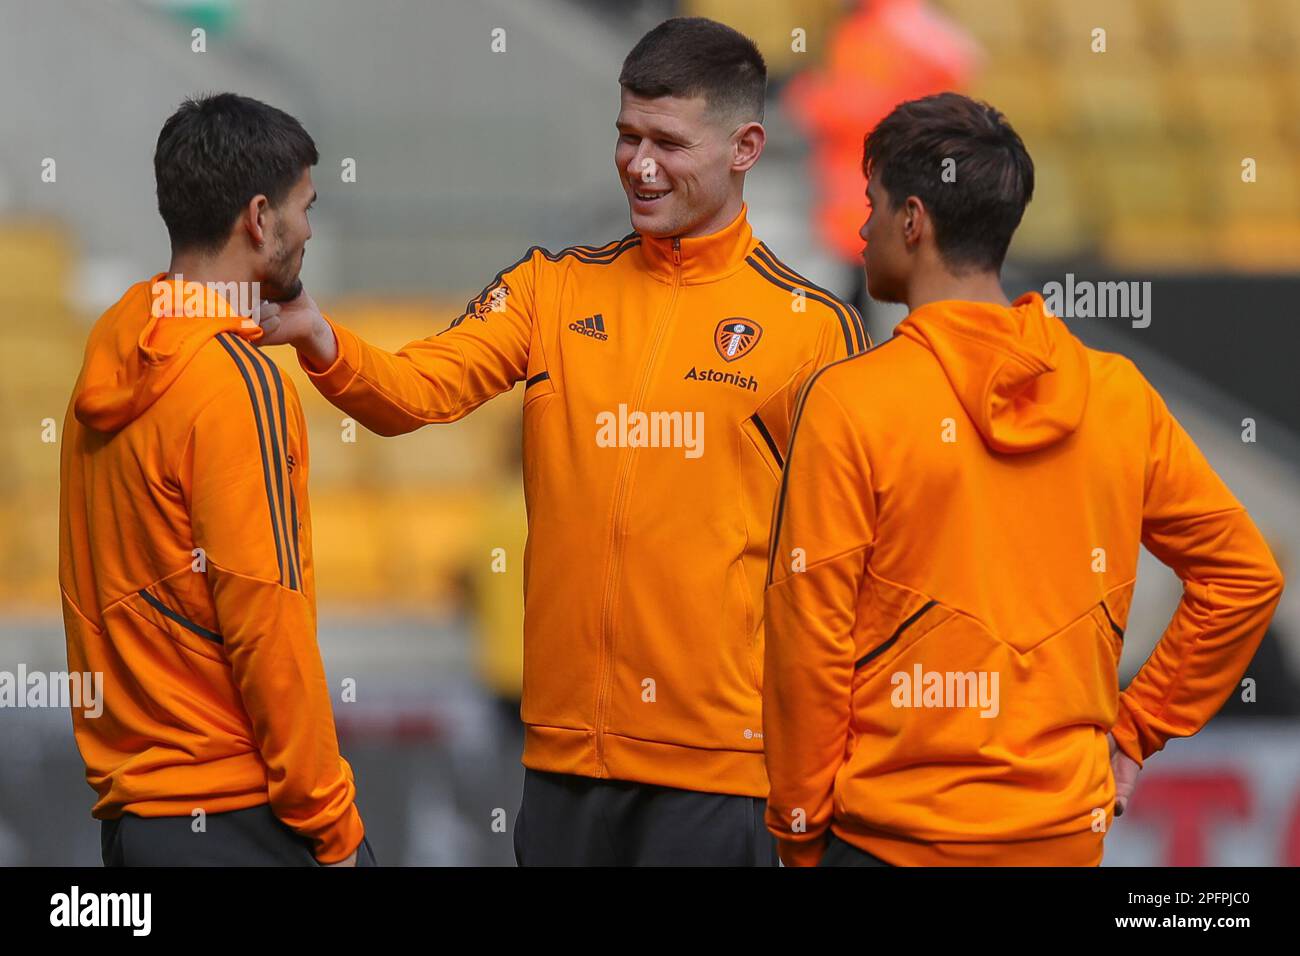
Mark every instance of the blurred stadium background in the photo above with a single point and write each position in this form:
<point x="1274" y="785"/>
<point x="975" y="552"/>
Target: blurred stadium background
<point x="465" y="157"/>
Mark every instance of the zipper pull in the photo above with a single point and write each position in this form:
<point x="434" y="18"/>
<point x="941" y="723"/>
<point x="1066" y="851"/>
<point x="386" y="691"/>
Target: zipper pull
<point x="677" y="252"/>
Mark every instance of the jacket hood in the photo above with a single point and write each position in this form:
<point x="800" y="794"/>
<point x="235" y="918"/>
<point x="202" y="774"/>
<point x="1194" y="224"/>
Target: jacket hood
<point x="141" y="345"/>
<point x="1019" y="372"/>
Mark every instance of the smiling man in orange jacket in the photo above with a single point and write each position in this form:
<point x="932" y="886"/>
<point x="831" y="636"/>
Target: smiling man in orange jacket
<point x="660" y="373"/>
<point x="956" y="543"/>
<point x="184" y="534"/>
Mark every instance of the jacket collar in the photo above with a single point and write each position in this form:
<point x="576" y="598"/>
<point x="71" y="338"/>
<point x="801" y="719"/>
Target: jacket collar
<point x="701" y="258"/>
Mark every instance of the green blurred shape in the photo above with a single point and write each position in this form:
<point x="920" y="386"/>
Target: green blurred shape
<point x="214" y="16"/>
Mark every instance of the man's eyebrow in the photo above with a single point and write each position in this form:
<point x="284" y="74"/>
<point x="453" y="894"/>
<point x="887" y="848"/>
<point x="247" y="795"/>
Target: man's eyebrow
<point x="653" y="131"/>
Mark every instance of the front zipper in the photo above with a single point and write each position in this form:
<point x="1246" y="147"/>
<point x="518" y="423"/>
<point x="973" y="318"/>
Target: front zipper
<point x="618" y="525"/>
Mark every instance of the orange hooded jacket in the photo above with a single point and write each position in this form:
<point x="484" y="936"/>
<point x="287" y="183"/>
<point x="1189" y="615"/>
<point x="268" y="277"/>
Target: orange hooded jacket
<point x="954" y="554"/>
<point x="660" y="382"/>
<point x="186" y="574"/>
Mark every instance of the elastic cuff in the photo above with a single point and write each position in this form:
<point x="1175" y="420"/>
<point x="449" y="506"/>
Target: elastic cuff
<point x="335" y="379"/>
<point x="802" y="853"/>
<point x="1126" y="736"/>
<point x="340" y="840"/>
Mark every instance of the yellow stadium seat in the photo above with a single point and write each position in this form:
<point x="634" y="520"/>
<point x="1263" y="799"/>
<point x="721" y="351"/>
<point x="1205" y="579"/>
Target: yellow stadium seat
<point x="1277" y="29"/>
<point x="1159" y="181"/>
<point x="1100" y="99"/>
<point x="1230" y="101"/>
<point x="1275" y="191"/>
<point x="1258" y="244"/>
<point x="770" y="25"/>
<point x="29" y="549"/>
<point x="1052" y="223"/>
<point x="1153" y="243"/>
<point x="1027" y="92"/>
<point x="1209" y="30"/>
<point x="35" y="263"/>
<point x="1000" y="26"/>
<point x="1069" y="25"/>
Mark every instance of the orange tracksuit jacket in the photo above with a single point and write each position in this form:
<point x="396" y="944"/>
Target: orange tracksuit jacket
<point x="186" y="574"/>
<point x="643" y="572"/>
<point x="965" y="503"/>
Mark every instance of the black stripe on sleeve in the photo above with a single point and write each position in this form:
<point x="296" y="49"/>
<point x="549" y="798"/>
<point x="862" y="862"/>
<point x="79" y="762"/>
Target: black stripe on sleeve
<point x="840" y="313"/>
<point x="781" y="269"/>
<point x="857" y="317"/>
<point x="539" y="377"/>
<point x="277" y="456"/>
<point x="603" y="256"/>
<point x="291" y="530"/>
<point x="261" y="438"/>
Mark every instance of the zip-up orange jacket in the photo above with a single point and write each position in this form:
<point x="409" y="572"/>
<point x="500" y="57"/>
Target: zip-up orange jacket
<point x="647" y="538"/>
<point x="961" y="505"/>
<point x="186" y="573"/>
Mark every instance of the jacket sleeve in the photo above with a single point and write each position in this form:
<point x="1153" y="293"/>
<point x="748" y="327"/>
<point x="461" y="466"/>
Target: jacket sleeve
<point x="821" y="539"/>
<point x="244" y="510"/>
<point x="1231" y="586"/>
<point x="446" y="376"/>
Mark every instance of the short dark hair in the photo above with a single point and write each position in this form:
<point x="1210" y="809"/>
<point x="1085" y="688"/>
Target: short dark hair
<point x="694" y="56"/>
<point x="976" y="214"/>
<point x="216" y="153"/>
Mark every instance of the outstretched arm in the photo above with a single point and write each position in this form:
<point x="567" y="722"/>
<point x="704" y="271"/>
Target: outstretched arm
<point x="437" y="379"/>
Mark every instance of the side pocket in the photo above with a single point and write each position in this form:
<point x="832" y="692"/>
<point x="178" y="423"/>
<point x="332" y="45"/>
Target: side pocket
<point x="759" y="476"/>
<point x="1112" y="631"/>
<point x="180" y="619"/>
<point x="764" y="442"/>
<point x="868" y="667"/>
<point x="1119" y="631"/>
<point x="181" y="629"/>
<point x="889" y="642"/>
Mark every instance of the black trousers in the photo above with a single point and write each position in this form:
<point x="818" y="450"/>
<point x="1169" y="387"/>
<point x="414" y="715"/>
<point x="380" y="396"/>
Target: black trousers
<point x="842" y="853"/>
<point x="252" y="837"/>
<point x="567" y="820"/>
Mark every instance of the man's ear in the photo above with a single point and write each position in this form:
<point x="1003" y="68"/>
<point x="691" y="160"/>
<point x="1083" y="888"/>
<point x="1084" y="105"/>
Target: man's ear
<point x="256" y="222"/>
<point x="915" y="219"/>
<point x="746" y="146"/>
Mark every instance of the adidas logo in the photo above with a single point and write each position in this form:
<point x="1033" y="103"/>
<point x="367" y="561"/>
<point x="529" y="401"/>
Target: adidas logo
<point x="592" y="325"/>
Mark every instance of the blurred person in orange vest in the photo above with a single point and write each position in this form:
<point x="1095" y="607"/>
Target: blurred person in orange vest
<point x="882" y="53"/>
